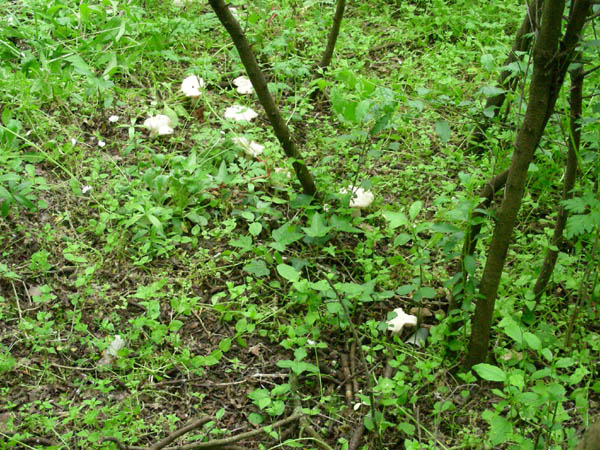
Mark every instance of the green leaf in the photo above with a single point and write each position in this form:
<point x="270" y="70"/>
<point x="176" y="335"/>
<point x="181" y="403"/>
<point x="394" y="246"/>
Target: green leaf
<point x="402" y="239"/>
<point x="396" y="219"/>
<point x="442" y="128"/>
<point x="532" y="341"/>
<point x="288" y="272"/>
<point x="415" y="209"/>
<point x="512" y="329"/>
<point x="255" y="418"/>
<point x="225" y="344"/>
<point x="317" y="227"/>
<point x="500" y="430"/>
<point x="470" y="264"/>
<point x="286" y="234"/>
<point x="489" y="372"/>
<point x="258" y="268"/>
<point x="343" y="224"/>
<point x="255" y="228"/>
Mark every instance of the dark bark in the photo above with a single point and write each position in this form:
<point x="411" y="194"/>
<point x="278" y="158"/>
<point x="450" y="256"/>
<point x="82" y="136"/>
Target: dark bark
<point x="474" y="229"/>
<point x="487" y="193"/>
<point x="575" y="100"/>
<point x="259" y="82"/>
<point x="331" y="41"/>
<point x="538" y="110"/>
<point x="333" y="34"/>
<point x="505" y="81"/>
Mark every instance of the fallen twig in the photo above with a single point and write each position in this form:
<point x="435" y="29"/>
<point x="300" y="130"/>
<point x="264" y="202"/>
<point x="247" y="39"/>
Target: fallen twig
<point x="192" y="426"/>
<point x="348" y="377"/>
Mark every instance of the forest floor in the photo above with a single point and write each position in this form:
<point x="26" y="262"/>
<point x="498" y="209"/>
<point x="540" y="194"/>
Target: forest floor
<point x="152" y="282"/>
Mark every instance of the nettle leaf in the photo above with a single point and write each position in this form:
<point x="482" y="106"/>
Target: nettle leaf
<point x="288" y="272"/>
<point x="317" y="228"/>
<point x="489" y="372"/>
<point x="582" y="223"/>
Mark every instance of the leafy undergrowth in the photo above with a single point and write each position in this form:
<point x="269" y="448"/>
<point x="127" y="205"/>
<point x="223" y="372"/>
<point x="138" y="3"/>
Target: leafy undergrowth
<point x="147" y="281"/>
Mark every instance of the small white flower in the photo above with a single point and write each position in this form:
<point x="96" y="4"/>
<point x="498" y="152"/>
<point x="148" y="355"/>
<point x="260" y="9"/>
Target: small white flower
<point x="360" y="197"/>
<point x="244" y="85"/>
<point x="101" y="143"/>
<point x="191" y="86"/>
<point x="251" y="148"/>
<point x="158" y="125"/>
<point x="310" y="342"/>
<point x="86" y="189"/>
<point x="73" y="141"/>
<point x="401" y="320"/>
<point x="238" y="112"/>
<point x="113" y="119"/>
<point x="10" y="20"/>
<point x="117" y="344"/>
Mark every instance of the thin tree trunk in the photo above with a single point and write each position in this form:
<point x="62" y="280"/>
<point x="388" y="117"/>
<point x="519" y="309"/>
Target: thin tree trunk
<point x="550" y="63"/>
<point x="333" y="34"/>
<point x="575" y="101"/>
<point x="487" y="193"/>
<point x="474" y="229"/>
<point x="521" y="44"/>
<point x="331" y="41"/>
<point x="538" y="110"/>
<point x="264" y="96"/>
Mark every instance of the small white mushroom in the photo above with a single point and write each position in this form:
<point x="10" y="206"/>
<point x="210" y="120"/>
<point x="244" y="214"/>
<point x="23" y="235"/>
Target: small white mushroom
<point x="158" y="125"/>
<point x="191" y="86"/>
<point x="396" y="324"/>
<point x="240" y="113"/>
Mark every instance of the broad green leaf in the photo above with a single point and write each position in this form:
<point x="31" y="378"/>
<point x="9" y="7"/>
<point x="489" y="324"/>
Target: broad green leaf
<point x="257" y="267"/>
<point x="255" y="228"/>
<point x="489" y="372"/>
<point x="396" y="219"/>
<point x="317" y="227"/>
<point x="402" y="239"/>
<point x="532" y="341"/>
<point x="512" y="329"/>
<point x="500" y="430"/>
<point x="415" y="209"/>
<point x="470" y="264"/>
<point x="286" y="234"/>
<point x="288" y="272"/>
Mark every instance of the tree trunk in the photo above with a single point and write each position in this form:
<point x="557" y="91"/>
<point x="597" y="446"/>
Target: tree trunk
<point x="333" y="34"/>
<point x="538" y="110"/>
<point x="575" y="100"/>
<point x="550" y="63"/>
<point x="264" y="96"/>
<point x="487" y="193"/>
<point x="331" y="41"/>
